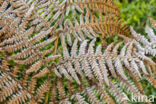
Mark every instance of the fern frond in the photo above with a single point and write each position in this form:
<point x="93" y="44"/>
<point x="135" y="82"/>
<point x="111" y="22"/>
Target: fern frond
<point x="105" y="95"/>
<point x="11" y="87"/>
<point x="119" y="95"/>
<point x="41" y="90"/>
<point x="35" y="68"/>
<point x="91" y="96"/>
<point x="126" y="57"/>
<point x="102" y="6"/>
<point x="149" y="45"/>
<point x="80" y="99"/>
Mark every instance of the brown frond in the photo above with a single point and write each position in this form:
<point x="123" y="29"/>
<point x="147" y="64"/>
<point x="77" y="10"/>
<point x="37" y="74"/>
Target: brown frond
<point x="103" y="6"/>
<point x="37" y="64"/>
<point x="13" y="88"/>
<point x="42" y="90"/>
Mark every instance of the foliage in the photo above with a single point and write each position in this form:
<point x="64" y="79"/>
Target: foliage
<point x="136" y="12"/>
<point x="62" y="51"/>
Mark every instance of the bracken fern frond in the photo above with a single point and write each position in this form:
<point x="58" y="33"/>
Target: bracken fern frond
<point x="53" y="51"/>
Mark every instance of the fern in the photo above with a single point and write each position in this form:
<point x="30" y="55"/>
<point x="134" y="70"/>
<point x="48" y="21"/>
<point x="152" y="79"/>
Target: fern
<point x="48" y="56"/>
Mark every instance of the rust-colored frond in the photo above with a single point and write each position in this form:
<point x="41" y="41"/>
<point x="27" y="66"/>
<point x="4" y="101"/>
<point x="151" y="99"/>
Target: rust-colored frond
<point x="102" y="6"/>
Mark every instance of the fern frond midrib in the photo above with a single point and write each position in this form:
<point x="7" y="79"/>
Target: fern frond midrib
<point x="113" y="56"/>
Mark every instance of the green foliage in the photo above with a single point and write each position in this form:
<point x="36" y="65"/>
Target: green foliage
<point x="136" y="12"/>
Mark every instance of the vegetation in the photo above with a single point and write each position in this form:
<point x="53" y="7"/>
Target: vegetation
<point x="75" y="52"/>
<point x="136" y="12"/>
